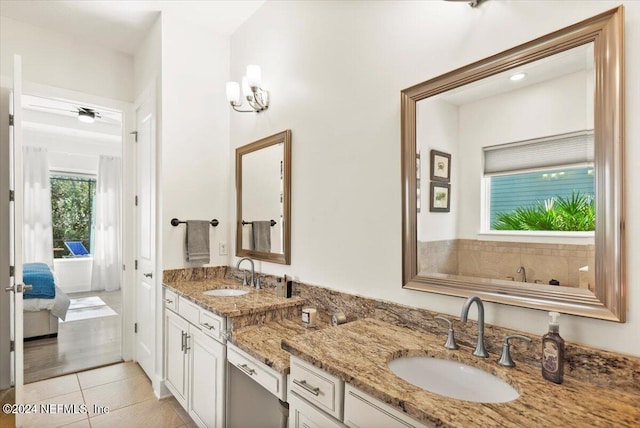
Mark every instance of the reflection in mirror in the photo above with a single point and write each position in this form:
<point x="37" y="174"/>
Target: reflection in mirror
<point x="263" y="198"/>
<point x="522" y="205"/>
<point x="512" y="175"/>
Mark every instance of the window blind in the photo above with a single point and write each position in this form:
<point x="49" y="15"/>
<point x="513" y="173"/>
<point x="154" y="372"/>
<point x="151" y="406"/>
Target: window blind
<point x="559" y="150"/>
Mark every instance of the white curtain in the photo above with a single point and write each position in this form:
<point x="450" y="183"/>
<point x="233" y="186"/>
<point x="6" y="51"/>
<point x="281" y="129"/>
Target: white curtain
<point x="37" y="223"/>
<point x="107" y="264"/>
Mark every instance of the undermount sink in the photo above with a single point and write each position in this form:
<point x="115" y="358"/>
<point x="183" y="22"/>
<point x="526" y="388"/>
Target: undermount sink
<point x="453" y="379"/>
<point x="225" y="292"/>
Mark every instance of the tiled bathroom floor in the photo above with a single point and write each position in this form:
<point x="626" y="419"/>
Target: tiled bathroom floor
<point x="122" y="388"/>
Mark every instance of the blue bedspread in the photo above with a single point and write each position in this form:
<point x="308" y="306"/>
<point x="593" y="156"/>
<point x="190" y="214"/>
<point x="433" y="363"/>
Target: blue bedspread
<point x="40" y="277"/>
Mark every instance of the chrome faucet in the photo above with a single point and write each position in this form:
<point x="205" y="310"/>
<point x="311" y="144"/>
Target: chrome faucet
<point x="480" y="350"/>
<point x="523" y="277"/>
<point x="244" y="273"/>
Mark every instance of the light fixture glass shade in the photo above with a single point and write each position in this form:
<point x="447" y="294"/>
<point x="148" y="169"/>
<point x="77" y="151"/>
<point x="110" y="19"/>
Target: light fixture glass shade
<point x="254" y="75"/>
<point x="233" y="92"/>
<point x="246" y="90"/>
<point x="86" y="117"/>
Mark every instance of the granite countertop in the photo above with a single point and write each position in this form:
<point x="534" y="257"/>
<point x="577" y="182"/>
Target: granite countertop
<point x="255" y="301"/>
<point x="264" y="342"/>
<point x="358" y="353"/>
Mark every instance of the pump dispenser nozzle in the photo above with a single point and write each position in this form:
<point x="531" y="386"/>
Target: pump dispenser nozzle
<point x="554" y="326"/>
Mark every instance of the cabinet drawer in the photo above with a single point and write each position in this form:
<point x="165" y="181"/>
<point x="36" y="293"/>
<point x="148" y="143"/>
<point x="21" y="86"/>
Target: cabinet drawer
<point x="318" y="387"/>
<point x="270" y="379"/>
<point x="304" y="415"/>
<point x="189" y="310"/>
<point x="362" y="410"/>
<point x="170" y="300"/>
<point x="212" y="325"/>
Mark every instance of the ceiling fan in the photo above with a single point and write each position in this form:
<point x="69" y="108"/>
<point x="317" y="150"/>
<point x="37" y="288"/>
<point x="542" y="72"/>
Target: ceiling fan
<point x="84" y="114"/>
<point x="88" y="115"/>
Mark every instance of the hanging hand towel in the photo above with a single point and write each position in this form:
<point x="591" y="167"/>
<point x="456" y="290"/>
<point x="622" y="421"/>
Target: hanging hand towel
<point x="197" y="241"/>
<point x="262" y="236"/>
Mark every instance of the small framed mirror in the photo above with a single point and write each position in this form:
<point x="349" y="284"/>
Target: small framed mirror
<point x="488" y="157"/>
<point x="263" y="199"/>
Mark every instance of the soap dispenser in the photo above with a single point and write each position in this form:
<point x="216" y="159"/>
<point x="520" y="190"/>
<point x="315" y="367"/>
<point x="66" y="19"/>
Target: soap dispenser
<point x="553" y="351"/>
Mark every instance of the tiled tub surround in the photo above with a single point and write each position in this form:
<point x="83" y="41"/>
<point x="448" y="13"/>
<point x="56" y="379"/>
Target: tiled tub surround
<point x="501" y="260"/>
<point x="358" y="353"/>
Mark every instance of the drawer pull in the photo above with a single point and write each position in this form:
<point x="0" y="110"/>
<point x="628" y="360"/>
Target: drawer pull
<point x="246" y="369"/>
<point x="208" y="326"/>
<point x="169" y="301"/>
<point x="304" y="385"/>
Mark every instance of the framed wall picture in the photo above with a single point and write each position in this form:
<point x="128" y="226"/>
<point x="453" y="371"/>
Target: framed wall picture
<point x="440" y="166"/>
<point x="440" y="201"/>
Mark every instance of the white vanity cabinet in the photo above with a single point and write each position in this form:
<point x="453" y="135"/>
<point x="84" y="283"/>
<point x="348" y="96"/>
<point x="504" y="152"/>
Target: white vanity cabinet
<point x="195" y="357"/>
<point x="176" y="363"/>
<point x="315" y="397"/>
<point x="362" y="410"/>
<point x="319" y="399"/>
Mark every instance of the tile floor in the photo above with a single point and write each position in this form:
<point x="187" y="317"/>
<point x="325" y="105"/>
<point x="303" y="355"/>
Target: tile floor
<point x="122" y="388"/>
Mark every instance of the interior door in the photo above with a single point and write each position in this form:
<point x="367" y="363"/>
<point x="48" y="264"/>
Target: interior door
<point x="146" y="242"/>
<point x="15" y="234"/>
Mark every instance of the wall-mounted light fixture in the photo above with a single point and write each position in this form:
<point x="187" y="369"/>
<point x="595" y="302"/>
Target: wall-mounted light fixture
<point x="257" y="97"/>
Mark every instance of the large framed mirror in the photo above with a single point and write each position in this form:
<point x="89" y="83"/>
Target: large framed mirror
<point x="513" y="189"/>
<point x="263" y="198"/>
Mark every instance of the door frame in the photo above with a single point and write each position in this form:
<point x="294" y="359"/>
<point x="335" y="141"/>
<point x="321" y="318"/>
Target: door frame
<point x="128" y="121"/>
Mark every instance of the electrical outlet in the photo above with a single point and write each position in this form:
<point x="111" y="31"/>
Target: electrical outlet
<point x="222" y="248"/>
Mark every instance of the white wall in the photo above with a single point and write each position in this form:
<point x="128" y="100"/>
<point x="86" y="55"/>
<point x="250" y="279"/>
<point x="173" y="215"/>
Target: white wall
<point x="335" y="71"/>
<point x="437" y="124"/>
<point x="195" y="169"/>
<point x="53" y="59"/>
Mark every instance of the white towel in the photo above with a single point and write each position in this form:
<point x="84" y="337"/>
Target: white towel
<point x="197" y="241"/>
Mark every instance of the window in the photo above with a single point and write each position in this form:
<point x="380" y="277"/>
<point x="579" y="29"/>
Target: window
<point x="72" y="210"/>
<point x="544" y="184"/>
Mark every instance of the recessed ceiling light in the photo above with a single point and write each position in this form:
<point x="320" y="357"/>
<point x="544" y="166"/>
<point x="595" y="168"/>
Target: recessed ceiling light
<point x="517" y="76"/>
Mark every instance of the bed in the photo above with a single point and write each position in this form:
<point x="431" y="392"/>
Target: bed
<point x="44" y="304"/>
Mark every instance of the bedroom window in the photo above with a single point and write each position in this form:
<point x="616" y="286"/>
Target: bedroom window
<point x="545" y="184"/>
<point x="72" y="210"/>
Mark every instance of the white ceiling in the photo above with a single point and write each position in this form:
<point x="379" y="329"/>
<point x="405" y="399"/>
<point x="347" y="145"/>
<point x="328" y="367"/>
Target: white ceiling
<point x="549" y="68"/>
<point x="122" y="24"/>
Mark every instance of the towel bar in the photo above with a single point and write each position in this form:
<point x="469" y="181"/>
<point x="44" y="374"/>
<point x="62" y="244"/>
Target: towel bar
<point x="273" y="222"/>
<point x="175" y="222"/>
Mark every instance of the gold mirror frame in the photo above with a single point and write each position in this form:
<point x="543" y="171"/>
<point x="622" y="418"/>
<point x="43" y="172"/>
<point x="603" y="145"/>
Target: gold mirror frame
<point x="285" y="257"/>
<point x="608" y="302"/>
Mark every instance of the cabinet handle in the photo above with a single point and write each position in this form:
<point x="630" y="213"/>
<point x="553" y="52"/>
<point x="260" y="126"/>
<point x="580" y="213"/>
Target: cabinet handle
<point x="207" y="325"/>
<point x="148" y="274"/>
<point x="186" y="342"/>
<point x="168" y="301"/>
<point x="246" y="369"/>
<point x="304" y="385"/>
<point x="183" y="345"/>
